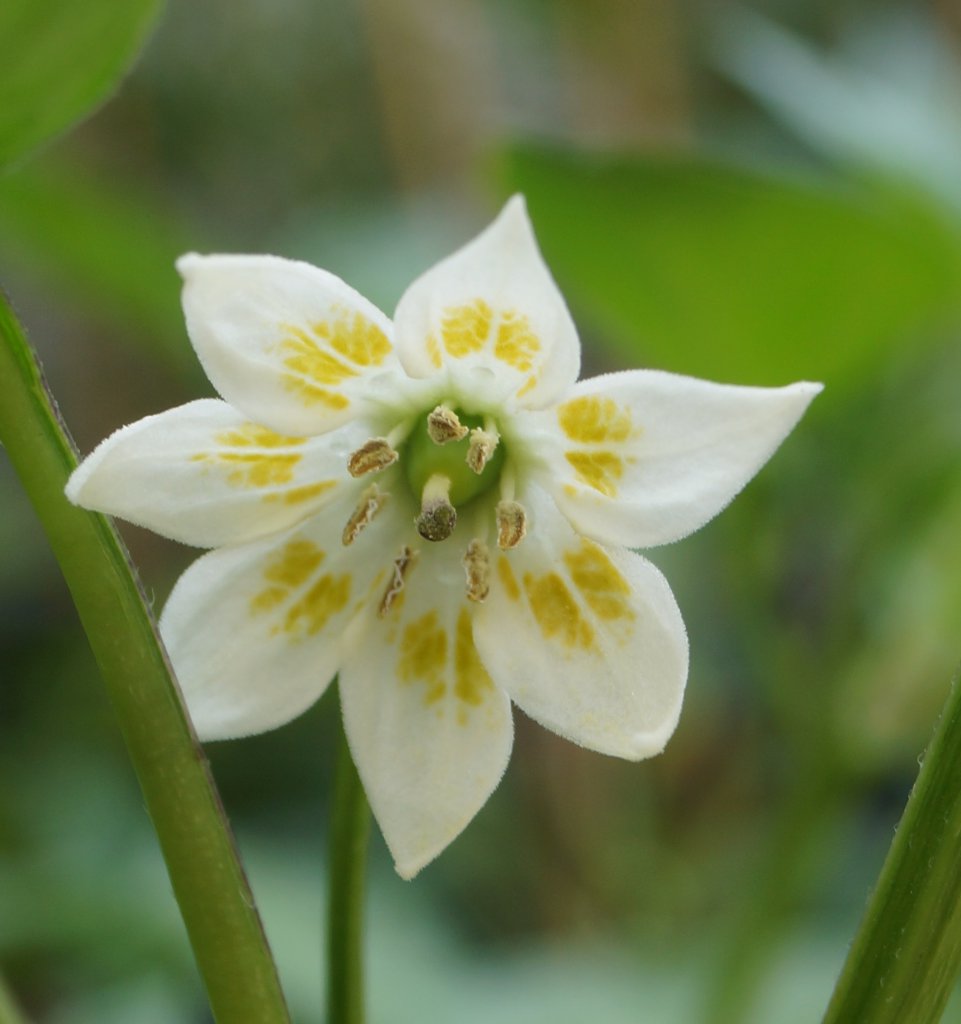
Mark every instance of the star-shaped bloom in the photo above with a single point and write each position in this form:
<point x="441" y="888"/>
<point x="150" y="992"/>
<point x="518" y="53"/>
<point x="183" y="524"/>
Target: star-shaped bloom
<point x="434" y="508"/>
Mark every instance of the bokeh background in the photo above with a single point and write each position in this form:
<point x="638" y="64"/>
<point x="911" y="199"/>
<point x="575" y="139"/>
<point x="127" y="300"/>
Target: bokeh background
<point x="754" y="194"/>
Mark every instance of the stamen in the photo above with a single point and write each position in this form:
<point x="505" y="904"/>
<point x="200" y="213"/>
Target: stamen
<point x="483" y="441"/>
<point x="477" y="566"/>
<point x="443" y="426"/>
<point x="371" y="457"/>
<point x="371" y="502"/>
<point x="511" y="524"/>
<point x="438" y="517"/>
<point x="403" y="563"/>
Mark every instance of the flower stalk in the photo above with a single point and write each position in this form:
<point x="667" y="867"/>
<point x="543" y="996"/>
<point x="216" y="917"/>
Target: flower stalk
<point x="349" y="831"/>
<point x="9" y="1011"/>
<point x="906" y="955"/>
<point x="207" y="878"/>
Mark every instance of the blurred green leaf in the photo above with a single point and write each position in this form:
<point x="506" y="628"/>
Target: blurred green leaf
<point x="108" y="242"/>
<point x="59" y="59"/>
<point x="704" y="268"/>
<point x="886" y="96"/>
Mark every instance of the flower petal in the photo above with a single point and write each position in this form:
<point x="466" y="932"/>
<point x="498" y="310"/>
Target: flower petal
<point x="587" y="640"/>
<point x="430" y="734"/>
<point x="254" y="632"/>
<point x="290" y="345"/>
<point x="203" y="474"/>
<point x="643" y="458"/>
<point x="493" y="304"/>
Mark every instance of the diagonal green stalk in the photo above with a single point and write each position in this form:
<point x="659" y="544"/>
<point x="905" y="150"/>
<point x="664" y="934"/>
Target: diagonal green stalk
<point x="349" y="831"/>
<point x="207" y="878"/>
<point x="906" y="954"/>
<point x="9" y="1011"/>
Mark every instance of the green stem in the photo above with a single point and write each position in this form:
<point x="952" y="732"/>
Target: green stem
<point x="349" y="830"/>
<point x="206" y="875"/>
<point x="907" y="952"/>
<point x="9" y="1011"/>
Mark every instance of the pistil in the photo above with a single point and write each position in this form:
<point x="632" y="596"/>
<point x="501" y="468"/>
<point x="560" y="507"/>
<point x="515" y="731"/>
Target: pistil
<point x="438" y="517"/>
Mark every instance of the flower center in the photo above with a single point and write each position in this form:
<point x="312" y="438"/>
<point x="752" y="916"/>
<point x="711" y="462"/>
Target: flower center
<point x="449" y="461"/>
<point x="453" y="459"/>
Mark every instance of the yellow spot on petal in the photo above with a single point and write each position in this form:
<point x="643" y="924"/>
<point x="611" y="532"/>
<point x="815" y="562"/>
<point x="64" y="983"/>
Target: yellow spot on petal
<point x="516" y="344"/>
<point x="305" y="356"/>
<point x="507" y="578"/>
<point x="433" y="351"/>
<point x="250" y="453"/>
<point x="269" y="598"/>
<point x="527" y="386"/>
<point x="465" y="329"/>
<point x="600" y="470"/>
<point x="289" y="573"/>
<point x="329" y="353"/>
<point x="253" y="435"/>
<point x="298" y="495"/>
<point x="596" y="577"/>
<point x="556" y="611"/>
<point x="311" y="394"/>
<point x="324" y="599"/>
<point x="423" y="656"/>
<point x="296" y="563"/>
<point x="356" y="338"/>
<point x="471" y="681"/>
<point x="592" y="419"/>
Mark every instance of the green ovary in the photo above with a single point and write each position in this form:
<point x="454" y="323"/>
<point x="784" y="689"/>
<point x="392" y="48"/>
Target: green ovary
<point x="423" y="459"/>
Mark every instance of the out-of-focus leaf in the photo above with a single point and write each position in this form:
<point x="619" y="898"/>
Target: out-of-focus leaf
<point x="108" y="243"/>
<point x="59" y="59"/>
<point x="889" y="97"/>
<point x="708" y="269"/>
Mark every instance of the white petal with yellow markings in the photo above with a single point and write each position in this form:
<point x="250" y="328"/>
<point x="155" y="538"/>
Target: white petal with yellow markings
<point x="642" y="458"/>
<point x="290" y="345"/>
<point x="203" y="474"/>
<point x="493" y="305"/>
<point x="255" y="631"/>
<point x="600" y="654"/>
<point x="429" y="732"/>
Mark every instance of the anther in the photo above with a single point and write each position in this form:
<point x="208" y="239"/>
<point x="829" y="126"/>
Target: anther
<point x="371" y="502"/>
<point x="371" y="457"/>
<point x="438" y="517"/>
<point x="511" y="524"/>
<point x="443" y="426"/>
<point x="477" y="566"/>
<point x="403" y="563"/>
<point x="481" y="448"/>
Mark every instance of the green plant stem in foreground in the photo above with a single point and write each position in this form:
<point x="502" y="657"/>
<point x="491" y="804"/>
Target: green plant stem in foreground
<point x="906" y="955"/>
<point x="207" y="878"/>
<point x="349" y="831"/>
<point x="9" y="1011"/>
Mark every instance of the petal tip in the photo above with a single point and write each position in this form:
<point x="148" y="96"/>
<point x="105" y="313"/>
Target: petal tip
<point x="187" y="263"/>
<point x="407" y="870"/>
<point x="75" y="485"/>
<point x="514" y="217"/>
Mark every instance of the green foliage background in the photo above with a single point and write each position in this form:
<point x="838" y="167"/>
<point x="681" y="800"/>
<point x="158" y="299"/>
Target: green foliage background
<point x="716" y="196"/>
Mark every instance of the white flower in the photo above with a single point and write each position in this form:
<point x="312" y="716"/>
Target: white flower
<point x="434" y="509"/>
